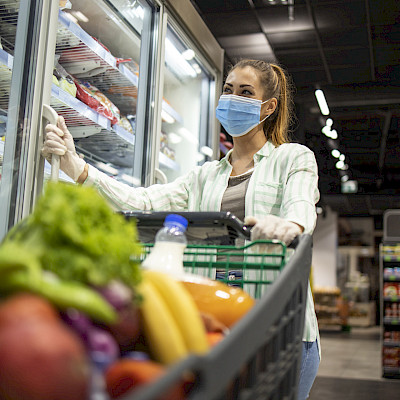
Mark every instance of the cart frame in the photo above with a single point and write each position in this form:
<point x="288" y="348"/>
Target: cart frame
<point x="260" y="358"/>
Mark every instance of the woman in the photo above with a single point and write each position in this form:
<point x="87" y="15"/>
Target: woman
<point x="264" y="180"/>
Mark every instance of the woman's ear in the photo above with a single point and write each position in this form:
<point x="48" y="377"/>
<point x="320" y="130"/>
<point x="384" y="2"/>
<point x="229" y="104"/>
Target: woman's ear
<point x="269" y="107"/>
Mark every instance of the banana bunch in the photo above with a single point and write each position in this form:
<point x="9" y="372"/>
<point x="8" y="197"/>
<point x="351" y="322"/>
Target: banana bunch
<point x="171" y="320"/>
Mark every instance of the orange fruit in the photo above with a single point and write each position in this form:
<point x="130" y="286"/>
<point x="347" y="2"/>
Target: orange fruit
<point x="226" y="303"/>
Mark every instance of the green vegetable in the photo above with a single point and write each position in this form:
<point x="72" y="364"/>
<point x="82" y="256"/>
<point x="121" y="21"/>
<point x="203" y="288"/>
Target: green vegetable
<point x="76" y="235"/>
<point x="20" y="270"/>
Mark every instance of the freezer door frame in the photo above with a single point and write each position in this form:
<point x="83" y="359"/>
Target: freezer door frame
<point x="212" y="53"/>
<point x="30" y="83"/>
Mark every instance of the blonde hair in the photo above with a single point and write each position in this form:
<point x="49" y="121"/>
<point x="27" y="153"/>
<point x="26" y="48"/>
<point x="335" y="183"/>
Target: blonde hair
<point x="279" y="85"/>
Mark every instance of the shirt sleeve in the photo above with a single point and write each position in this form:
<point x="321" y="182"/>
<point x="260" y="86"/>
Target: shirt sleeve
<point x="167" y="197"/>
<point x="301" y="192"/>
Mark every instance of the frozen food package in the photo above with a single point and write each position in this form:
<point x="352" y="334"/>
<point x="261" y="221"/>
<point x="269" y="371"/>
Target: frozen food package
<point x="96" y="100"/>
<point x="130" y="64"/>
<point x="124" y="123"/>
<point x="65" y="80"/>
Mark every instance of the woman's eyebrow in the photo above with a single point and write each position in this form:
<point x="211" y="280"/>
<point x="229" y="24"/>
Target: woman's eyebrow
<point x="244" y="85"/>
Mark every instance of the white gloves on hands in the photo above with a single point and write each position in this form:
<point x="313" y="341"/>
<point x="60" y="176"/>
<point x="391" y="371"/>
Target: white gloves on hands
<point x="272" y="227"/>
<point x="59" y="141"/>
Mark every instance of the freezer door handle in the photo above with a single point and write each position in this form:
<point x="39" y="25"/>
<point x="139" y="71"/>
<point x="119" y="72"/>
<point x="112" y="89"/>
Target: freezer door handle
<point x="160" y="176"/>
<point x="49" y="114"/>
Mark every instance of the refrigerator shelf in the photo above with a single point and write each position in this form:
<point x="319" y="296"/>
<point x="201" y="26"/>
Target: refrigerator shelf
<point x="110" y="142"/>
<point x="108" y="146"/>
<point x="169" y="110"/>
<point x="6" y="61"/>
<point x="80" y="51"/>
<point x="167" y="163"/>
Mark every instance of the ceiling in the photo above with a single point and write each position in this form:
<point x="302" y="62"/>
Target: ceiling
<point x="351" y="50"/>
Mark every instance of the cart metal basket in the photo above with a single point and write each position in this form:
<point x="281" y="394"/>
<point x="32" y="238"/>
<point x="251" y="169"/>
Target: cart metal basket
<point x="260" y="357"/>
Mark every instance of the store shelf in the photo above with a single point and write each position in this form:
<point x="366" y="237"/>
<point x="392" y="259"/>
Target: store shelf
<point x="391" y="344"/>
<point x="391" y="258"/>
<point x="391" y="278"/>
<point x="393" y="321"/>
<point x="174" y="114"/>
<point x="167" y="163"/>
<point x="390" y="371"/>
<point x="6" y="62"/>
<point x="75" y="48"/>
<point x="393" y="299"/>
<point x="93" y="131"/>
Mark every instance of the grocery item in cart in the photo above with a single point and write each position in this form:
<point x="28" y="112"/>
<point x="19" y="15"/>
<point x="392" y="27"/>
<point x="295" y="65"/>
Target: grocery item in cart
<point x="170" y="243"/>
<point x="41" y="358"/>
<point x="226" y="303"/>
<point x="129" y="374"/>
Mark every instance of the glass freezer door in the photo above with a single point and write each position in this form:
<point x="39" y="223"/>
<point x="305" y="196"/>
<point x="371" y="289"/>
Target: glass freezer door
<point x="25" y="29"/>
<point x="104" y="50"/>
<point x="187" y="104"/>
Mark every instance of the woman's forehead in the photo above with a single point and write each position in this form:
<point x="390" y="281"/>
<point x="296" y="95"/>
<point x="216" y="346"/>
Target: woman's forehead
<point x="246" y="75"/>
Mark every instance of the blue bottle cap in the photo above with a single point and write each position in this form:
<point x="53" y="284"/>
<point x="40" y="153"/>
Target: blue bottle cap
<point x="176" y="220"/>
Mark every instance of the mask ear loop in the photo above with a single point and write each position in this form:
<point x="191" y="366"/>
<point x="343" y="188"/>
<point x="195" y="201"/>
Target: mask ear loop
<point x="268" y="114"/>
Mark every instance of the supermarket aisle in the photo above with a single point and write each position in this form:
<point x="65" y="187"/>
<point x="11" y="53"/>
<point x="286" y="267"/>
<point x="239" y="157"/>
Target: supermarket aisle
<point x="351" y="367"/>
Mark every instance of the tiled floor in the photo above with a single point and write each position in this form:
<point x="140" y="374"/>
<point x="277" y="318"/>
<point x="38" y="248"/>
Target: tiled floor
<point x="351" y="367"/>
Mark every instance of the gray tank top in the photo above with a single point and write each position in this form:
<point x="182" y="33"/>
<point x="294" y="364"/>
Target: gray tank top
<point x="233" y="199"/>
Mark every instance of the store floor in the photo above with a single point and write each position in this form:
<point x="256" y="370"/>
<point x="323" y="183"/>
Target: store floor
<point x="351" y="367"/>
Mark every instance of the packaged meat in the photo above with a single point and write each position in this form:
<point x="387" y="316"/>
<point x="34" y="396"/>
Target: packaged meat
<point x="90" y="95"/>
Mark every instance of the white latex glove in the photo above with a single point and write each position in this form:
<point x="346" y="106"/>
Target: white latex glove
<point x="59" y="141"/>
<point x="272" y="227"/>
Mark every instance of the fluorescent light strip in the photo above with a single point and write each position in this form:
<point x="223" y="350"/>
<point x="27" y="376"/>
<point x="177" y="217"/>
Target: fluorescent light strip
<point x="323" y="105"/>
<point x="175" y="60"/>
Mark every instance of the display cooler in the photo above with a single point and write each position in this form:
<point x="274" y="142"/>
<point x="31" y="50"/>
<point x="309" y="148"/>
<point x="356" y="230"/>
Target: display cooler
<point x="137" y="82"/>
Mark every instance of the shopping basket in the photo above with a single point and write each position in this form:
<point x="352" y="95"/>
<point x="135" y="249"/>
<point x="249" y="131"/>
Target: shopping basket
<point x="260" y="357"/>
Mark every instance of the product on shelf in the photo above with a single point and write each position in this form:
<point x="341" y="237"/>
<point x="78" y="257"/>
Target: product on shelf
<point x="64" y="79"/>
<point x="391" y="289"/>
<point x="390" y="356"/>
<point x="391" y="273"/>
<point x="164" y="148"/>
<point x="90" y="95"/>
<point x="391" y="336"/>
<point x="127" y="91"/>
<point x="124" y="123"/>
<point x="130" y="64"/>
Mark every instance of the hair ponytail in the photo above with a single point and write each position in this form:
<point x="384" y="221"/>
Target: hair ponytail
<point x="278" y="127"/>
<point x="277" y="84"/>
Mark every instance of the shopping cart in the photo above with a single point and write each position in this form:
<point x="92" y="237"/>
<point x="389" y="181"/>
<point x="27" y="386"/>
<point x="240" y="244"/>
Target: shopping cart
<point x="260" y="357"/>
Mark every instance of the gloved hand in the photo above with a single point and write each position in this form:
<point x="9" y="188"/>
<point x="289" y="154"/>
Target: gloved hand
<point x="59" y="141"/>
<point x="272" y="227"/>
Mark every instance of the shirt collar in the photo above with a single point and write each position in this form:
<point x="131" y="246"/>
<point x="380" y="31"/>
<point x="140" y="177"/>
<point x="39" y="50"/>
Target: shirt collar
<point x="265" y="151"/>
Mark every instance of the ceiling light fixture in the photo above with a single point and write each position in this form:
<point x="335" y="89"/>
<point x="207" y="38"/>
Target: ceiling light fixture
<point x="339" y="164"/>
<point x="335" y="153"/>
<point x="333" y="134"/>
<point x="323" y="105"/>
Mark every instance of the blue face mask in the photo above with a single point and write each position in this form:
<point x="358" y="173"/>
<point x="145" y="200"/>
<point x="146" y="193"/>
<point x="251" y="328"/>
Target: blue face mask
<point x="238" y="114"/>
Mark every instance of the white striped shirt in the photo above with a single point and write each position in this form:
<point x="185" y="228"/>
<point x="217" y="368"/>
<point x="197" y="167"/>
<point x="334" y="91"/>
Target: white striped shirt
<point x="284" y="183"/>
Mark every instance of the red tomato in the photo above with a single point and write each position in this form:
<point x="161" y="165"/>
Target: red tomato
<point x="26" y="307"/>
<point x="214" y="338"/>
<point x="126" y="375"/>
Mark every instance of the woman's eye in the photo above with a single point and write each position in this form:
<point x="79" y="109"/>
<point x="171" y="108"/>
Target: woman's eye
<point x="227" y="90"/>
<point x="247" y="92"/>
